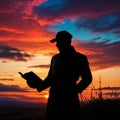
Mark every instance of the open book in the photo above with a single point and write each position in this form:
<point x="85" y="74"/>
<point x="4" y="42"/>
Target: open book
<point x="31" y="76"/>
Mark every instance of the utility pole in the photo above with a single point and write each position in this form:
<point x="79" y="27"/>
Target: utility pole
<point x="100" y="90"/>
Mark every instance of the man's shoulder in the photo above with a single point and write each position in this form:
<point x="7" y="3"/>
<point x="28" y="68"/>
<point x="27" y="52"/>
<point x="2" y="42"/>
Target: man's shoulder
<point x="80" y="55"/>
<point x="56" y="56"/>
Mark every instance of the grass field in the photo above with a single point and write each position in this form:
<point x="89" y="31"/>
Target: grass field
<point x="100" y="109"/>
<point x="97" y="109"/>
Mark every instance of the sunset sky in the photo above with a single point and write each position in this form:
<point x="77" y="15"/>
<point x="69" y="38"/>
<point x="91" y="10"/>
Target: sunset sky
<point x="27" y="26"/>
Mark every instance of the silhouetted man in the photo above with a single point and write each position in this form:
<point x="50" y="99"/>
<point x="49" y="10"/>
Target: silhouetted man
<point x="66" y="69"/>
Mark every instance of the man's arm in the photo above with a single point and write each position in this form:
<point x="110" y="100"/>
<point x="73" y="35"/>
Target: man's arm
<point x="86" y="76"/>
<point x="47" y="82"/>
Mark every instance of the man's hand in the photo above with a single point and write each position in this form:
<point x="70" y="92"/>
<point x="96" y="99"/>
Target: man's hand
<point x="32" y="83"/>
<point x="21" y="74"/>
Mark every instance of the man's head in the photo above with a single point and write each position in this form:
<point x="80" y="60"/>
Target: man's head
<point x="63" y="40"/>
<point x="62" y="37"/>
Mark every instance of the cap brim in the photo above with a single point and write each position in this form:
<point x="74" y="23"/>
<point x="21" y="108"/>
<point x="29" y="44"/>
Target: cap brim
<point x="53" y="40"/>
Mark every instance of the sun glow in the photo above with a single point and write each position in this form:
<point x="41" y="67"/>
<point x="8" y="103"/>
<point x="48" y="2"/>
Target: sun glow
<point x="46" y="96"/>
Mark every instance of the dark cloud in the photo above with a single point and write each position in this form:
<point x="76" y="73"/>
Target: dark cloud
<point x="101" y="55"/>
<point x="109" y="88"/>
<point x="115" y="95"/>
<point x="112" y="92"/>
<point x="20" y="102"/>
<point x="107" y="55"/>
<point x="11" y="88"/>
<point x="10" y="53"/>
<point x="75" y="8"/>
<point x="101" y="24"/>
<point x="8" y="6"/>
<point x="6" y="79"/>
<point x="40" y="66"/>
<point x="33" y="47"/>
<point x="15" y="23"/>
<point x="7" y="33"/>
<point x="15" y="18"/>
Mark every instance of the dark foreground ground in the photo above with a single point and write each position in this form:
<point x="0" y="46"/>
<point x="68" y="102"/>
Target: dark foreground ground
<point x="97" y="109"/>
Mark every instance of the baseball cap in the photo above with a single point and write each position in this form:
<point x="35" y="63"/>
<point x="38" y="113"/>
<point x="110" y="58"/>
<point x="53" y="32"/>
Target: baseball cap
<point x="62" y="35"/>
